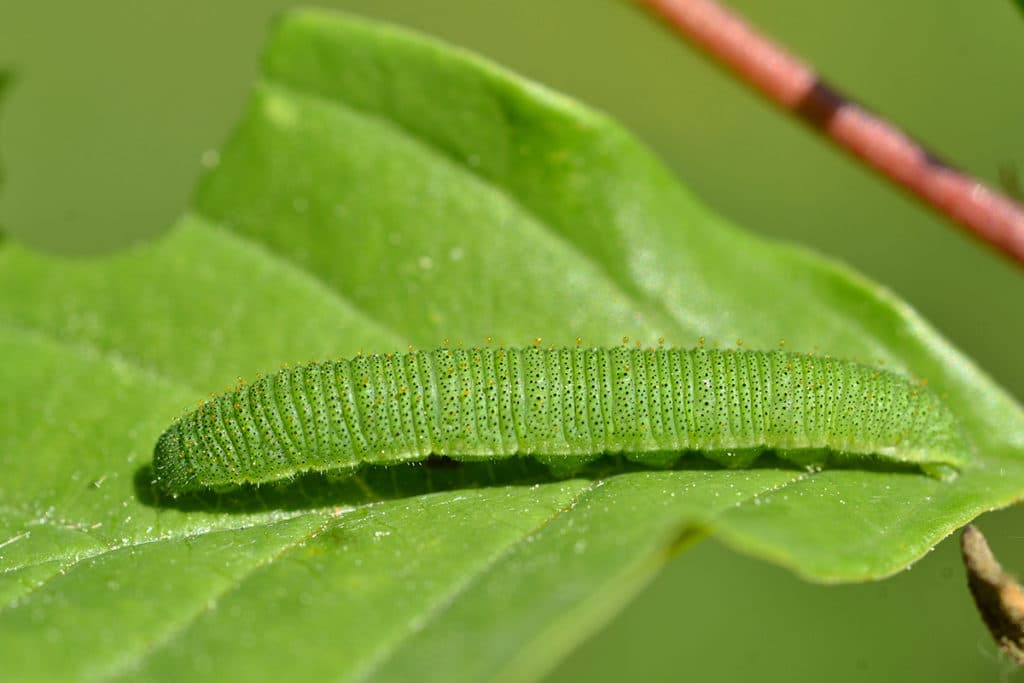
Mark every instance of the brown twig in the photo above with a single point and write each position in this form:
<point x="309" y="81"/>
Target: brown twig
<point x="998" y="596"/>
<point x="793" y="86"/>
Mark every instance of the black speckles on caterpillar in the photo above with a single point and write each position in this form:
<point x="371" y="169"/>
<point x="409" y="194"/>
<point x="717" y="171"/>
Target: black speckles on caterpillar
<point x="564" y="406"/>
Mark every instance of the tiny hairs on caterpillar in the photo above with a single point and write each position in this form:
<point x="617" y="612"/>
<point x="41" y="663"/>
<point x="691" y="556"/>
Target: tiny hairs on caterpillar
<point x="564" y="406"/>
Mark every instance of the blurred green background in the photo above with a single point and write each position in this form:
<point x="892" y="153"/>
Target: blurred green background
<point x="116" y="105"/>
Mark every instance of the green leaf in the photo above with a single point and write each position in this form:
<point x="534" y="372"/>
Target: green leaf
<point x="382" y="190"/>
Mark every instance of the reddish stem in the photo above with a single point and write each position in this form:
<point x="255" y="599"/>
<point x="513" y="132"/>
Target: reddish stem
<point x="793" y="86"/>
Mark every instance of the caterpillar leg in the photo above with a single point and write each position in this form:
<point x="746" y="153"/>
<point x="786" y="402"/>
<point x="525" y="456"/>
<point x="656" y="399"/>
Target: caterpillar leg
<point x="562" y="466"/>
<point x="221" y="489"/>
<point x="734" y="458"/>
<point x="803" y="457"/>
<point x="940" y="471"/>
<point x="340" y="475"/>
<point x="657" y="459"/>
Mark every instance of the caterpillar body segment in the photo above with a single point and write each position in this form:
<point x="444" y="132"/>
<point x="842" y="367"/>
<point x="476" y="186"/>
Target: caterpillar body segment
<point x="564" y="406"/>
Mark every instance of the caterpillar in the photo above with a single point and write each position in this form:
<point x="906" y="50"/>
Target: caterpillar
<point x="564" y="406"/>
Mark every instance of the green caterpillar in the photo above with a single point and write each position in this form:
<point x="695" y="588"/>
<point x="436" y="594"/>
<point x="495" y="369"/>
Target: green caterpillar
<point x="565" y="406"/>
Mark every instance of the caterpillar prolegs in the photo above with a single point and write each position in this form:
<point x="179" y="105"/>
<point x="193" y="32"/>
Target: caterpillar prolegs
<point x="564" y="406"/>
